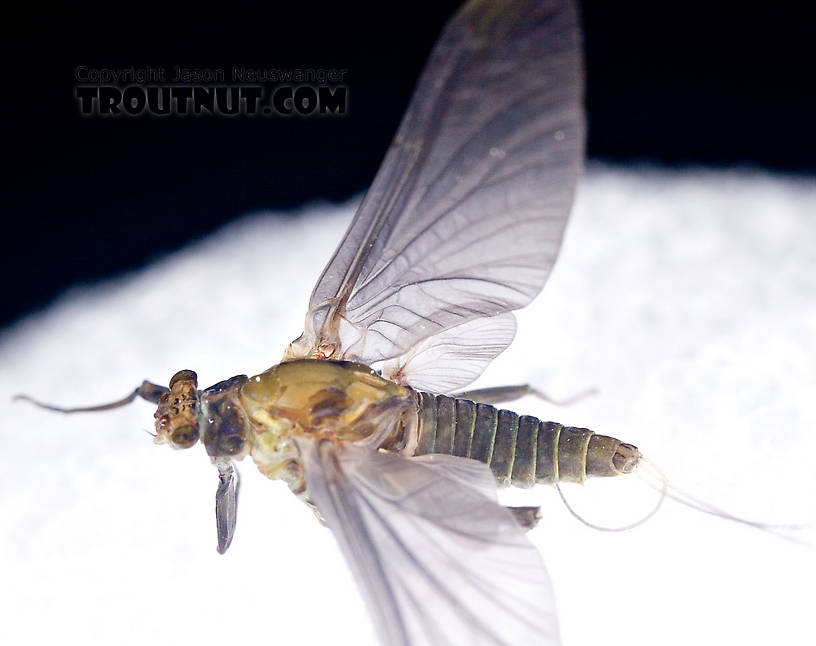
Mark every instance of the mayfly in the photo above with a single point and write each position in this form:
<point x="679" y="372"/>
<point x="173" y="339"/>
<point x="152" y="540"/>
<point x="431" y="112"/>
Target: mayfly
<point x="460" y="227"/>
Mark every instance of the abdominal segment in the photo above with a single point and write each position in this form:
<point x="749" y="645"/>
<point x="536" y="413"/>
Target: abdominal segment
<point x="521" y="450"/>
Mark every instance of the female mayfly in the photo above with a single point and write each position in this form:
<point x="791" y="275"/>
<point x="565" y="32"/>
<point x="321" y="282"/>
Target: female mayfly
<point x="460" y="227"/>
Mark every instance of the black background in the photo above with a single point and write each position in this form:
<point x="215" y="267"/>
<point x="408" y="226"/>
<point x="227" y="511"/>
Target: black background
<point x="667" y="83"/>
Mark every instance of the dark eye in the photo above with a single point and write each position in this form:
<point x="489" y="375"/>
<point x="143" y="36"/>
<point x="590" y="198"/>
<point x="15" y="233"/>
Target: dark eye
<point x="187" y="375"/>
<point x="184" y="437"/>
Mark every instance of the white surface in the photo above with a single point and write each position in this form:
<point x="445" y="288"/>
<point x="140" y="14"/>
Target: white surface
<point x="688" y="300"/>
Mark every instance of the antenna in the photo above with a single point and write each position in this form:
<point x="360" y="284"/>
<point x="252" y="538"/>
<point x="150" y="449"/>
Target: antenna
<point x="148" y="391"/>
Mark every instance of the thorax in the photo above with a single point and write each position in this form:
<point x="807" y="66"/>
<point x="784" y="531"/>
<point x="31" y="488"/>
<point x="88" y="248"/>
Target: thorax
<point x="334" y="400"/>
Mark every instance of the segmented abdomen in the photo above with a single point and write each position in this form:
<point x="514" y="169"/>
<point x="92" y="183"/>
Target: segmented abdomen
<point x="520" y="449"/>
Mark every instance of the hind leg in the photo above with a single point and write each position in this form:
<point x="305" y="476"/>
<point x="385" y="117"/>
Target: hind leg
<point x="503" y="394"/>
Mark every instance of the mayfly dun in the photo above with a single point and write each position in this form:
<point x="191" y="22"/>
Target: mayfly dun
<point x="460" y="227"/>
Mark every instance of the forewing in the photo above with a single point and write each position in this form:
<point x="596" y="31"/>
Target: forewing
<point x="466" y="215"/>
<point x="438" y="560"/>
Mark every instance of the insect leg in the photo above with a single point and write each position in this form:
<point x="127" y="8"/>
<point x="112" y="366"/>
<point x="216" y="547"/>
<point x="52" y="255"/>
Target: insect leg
<point x="526" y="517"/>
<point x="502" y="394"/>
<point x="226" y="503"/>
<point x="148" y="391"/>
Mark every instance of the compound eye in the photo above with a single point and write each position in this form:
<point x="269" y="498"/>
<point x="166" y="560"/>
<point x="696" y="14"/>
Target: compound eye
<point x="186" y="375"/>
<point x="184" y="437"/>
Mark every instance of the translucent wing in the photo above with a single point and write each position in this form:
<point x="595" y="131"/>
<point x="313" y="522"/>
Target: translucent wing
<point x="453" y="358"/>
<point x="438" y="560"/>
<point x="466" y="215"/>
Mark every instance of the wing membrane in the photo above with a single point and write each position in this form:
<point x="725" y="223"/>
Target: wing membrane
<point x="453" y="358"/>
<point x="466" y="215"/>
<point x="438" y="560"/>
